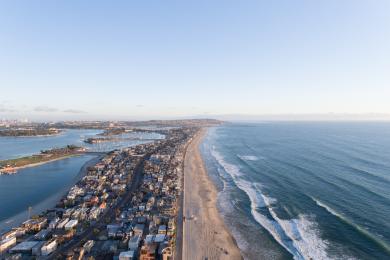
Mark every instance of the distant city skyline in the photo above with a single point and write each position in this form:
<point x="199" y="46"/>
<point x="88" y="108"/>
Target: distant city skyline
<point x="71" y="60"/>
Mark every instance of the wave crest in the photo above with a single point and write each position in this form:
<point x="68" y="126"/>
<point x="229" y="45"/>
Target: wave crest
<point x="360" y="229"/>
<point x="299" y="236"/>
<point x="250" y="157"/>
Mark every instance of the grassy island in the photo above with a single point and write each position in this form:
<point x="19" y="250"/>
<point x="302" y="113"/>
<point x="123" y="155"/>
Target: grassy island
<point x="16" y="132"/>
<point x="11" y="165"/>
<point x="113" y="131"/>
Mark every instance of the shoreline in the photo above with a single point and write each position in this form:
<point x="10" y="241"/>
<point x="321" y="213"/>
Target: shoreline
<point x="48" y="203"/>
<point x="205" y="234"/>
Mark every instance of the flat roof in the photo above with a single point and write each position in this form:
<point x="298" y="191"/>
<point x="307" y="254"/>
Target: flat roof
<point x="135" y="238"/>
<point x="24" y="246"/>
<point x="127" y="254"/>
<point x="159" y="238"/>
<point x="139" y="226"/>
<point x="72" y="222"/>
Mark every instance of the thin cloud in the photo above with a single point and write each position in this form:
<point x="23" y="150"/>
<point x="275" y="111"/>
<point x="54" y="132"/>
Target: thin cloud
<point x="139" y="105"/>
<point x="45" y="109"/>
<point x="74" y="111"/>
<point x="6" y="109"/>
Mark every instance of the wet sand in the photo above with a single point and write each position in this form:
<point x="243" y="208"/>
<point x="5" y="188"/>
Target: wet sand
<point x="205" y="236"/>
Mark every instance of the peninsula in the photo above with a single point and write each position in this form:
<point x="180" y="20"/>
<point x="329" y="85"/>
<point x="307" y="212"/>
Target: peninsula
<point x="22" y="132"/>
<point x="113" y="131"/>
<point x="12" y="165"/>
<point x="99" y="140"/>
<point x="129" y="205"/>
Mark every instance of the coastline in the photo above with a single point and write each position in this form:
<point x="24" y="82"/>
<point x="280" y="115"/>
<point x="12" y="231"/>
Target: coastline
<point x="205" y="235"/>
<point x="49" y="202"/>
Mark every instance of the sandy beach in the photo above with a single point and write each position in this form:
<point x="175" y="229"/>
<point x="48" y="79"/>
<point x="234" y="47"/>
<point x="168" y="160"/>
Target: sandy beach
<point x="205" y="236"/>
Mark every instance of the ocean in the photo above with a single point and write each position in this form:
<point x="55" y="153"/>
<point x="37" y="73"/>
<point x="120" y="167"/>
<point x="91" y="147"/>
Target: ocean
<point x="306" y="190"/>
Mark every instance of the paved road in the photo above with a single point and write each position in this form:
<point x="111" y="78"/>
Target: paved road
<point x="180" y="218"/>
<point x="179" y="228"/>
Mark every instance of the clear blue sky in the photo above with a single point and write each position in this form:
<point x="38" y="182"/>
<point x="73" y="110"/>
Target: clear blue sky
<point x="144" y="59"/>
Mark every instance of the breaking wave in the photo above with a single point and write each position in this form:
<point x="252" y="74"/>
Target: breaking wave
<point x="299" y="236"/>
<point x="250" y="157"/>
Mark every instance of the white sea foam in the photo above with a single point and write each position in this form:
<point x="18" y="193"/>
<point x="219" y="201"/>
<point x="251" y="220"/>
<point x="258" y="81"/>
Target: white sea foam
<point x="299" y="236"/>
<point x="228" y="205"/>
<point x="250" y="157"/>
<point x="329" y="209"/>
<point x="305" y="236"/>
